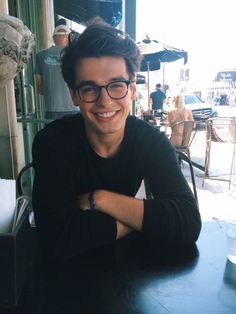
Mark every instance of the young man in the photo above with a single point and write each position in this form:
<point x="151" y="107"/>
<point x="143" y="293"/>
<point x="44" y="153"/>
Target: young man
<point x="49" y="79"/>
<point x="89" y="167"/>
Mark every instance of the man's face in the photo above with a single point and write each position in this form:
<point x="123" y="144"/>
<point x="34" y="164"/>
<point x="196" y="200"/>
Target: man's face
<point x="61" y="40"/>
<point x="106" y="115"/>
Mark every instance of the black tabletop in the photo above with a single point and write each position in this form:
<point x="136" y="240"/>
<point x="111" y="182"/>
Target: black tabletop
<point x="137" y="277"/>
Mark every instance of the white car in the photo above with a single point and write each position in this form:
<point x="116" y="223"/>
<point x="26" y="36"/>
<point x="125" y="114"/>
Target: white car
<point x="201" y="110"/>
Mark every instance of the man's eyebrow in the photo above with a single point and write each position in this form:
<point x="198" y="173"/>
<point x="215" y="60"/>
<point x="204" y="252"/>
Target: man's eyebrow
<point x="118" y="78"/>
<point x="113" y="79"/>
<point x="87" y="83"/>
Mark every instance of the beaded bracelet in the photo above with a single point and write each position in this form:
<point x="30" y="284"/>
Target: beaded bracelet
<point x="91" y="200"/>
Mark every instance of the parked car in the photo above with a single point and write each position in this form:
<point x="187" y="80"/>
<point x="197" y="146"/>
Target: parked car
<point x="201" y="110"/>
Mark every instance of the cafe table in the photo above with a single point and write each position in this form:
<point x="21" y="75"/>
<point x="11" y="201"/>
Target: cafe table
<point x="136" y="277"/>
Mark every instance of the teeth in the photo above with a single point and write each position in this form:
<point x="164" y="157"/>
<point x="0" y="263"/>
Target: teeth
<point x="106" y="114"/>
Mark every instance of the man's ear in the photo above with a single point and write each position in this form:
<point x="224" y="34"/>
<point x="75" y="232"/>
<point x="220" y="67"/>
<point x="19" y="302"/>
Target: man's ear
<point x="74" y="96"/>
<point x="133" y="88"/>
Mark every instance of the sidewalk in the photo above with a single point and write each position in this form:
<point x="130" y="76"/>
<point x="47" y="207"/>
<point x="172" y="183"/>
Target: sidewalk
<point x="216" y="201"/>
<point x="215" y="198"/>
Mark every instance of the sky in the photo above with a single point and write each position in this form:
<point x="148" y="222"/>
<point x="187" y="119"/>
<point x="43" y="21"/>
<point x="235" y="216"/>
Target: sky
<point x="204" y="28"/>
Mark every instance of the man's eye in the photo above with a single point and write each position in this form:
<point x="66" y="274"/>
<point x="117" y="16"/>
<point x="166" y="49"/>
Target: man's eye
<point x="117" y="85"/>
<point x="88" y="89"/>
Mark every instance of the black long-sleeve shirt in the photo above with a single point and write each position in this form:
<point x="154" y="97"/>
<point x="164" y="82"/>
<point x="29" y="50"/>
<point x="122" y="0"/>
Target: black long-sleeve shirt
<point x="67" y="166"/>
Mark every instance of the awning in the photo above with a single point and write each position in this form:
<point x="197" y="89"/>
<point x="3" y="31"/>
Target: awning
<point x="81" y="11"/>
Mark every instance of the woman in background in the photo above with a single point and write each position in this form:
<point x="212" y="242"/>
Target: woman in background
<point x="177" y="114"/>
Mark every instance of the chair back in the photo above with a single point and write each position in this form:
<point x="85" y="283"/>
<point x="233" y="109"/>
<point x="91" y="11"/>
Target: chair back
<point x="24" y="183"/>
<point x="185" y="129"/>
<point x="221" y="130"/>
<point x="24" y="186"/>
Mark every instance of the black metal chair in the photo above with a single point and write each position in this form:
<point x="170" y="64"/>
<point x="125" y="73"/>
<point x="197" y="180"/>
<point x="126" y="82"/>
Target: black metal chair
<point x="185" y="158"/>
<point x="182" y="156"/>
<point x="19" y="180"/>
<point x="24" y="188"/>
<point x="159" y="114"/>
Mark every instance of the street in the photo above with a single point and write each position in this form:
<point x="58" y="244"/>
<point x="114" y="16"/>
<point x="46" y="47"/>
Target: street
<point x="226" y="111"/>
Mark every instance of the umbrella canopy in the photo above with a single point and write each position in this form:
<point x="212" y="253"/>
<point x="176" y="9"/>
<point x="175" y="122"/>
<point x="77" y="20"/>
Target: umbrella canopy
<point x="155" y="52"/>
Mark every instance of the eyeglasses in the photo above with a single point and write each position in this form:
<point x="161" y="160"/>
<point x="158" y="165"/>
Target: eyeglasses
<point x="91" y="92"/>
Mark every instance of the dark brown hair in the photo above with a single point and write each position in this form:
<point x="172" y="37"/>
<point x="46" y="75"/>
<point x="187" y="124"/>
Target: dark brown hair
<point x="99" y="40"/>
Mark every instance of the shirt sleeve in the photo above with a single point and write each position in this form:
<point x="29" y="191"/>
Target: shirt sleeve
<point x="64" y="230"/>
<point x="172" y="216"/>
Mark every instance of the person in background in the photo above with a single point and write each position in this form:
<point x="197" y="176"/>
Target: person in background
<point x="223" y="100"/>
<point x="177" y="114"/>
<point x="89" y="166"/>
<point x="158" y="97"/>
<point x="50" y="82"/>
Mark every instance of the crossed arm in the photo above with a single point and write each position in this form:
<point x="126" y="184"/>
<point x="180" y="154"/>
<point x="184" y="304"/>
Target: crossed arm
<point x="66" y="229"/>
<point x="127" y="211"/>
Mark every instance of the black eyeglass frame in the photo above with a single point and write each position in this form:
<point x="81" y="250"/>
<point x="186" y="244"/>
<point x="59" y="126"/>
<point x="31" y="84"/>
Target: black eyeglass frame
<point x="99" y="88"/>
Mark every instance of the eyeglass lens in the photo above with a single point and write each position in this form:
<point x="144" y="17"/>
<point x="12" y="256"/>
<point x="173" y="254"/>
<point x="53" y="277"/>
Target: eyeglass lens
<point x="116" y="90"/>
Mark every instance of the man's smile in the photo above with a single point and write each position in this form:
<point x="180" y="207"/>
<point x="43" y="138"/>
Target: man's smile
<point x="106" y="114"/>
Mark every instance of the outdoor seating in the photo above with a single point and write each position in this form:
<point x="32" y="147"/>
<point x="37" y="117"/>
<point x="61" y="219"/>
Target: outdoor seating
<point x="220" y="131"/>
<point x="20" y="184"/>
<point x="159" y="114"/>
<point x="149" y="117"/>
<point x="24" y="183"/>
<point x="184" y="157"/>
<point x="187" y="131"/>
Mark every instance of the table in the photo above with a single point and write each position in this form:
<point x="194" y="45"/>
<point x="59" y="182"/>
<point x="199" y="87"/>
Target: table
<point x="135" y="278"/>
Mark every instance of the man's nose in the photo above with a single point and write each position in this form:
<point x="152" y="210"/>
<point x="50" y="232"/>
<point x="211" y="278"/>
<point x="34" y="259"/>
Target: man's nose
<point x="104" y="96"/>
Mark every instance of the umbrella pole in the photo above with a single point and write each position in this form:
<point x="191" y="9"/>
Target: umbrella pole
<point x="148" y="86"/>
<point x="163" y="74"/>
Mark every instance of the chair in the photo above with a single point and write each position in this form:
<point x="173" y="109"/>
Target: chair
<point x="187" y="131"/>
<point x="20" y="184"/>
<point x="24" y="188"/>
<point x="149" y="117"/>
<point x="181" y="155"/>
<point x="220" y="130"/>
<point x="185" y="158"/>
<point x="158" y="113"/>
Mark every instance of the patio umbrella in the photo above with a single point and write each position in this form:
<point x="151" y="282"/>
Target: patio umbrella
<point x="155" y="52"/>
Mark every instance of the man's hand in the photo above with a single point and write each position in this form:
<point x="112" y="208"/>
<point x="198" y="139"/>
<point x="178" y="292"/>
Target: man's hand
<point x="122" y="230"/>
<point x="114" y="207"/>
<point x="127" y="210"/>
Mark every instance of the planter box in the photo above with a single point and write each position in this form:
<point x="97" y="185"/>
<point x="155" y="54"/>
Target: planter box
<point x="14" y="262"/>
